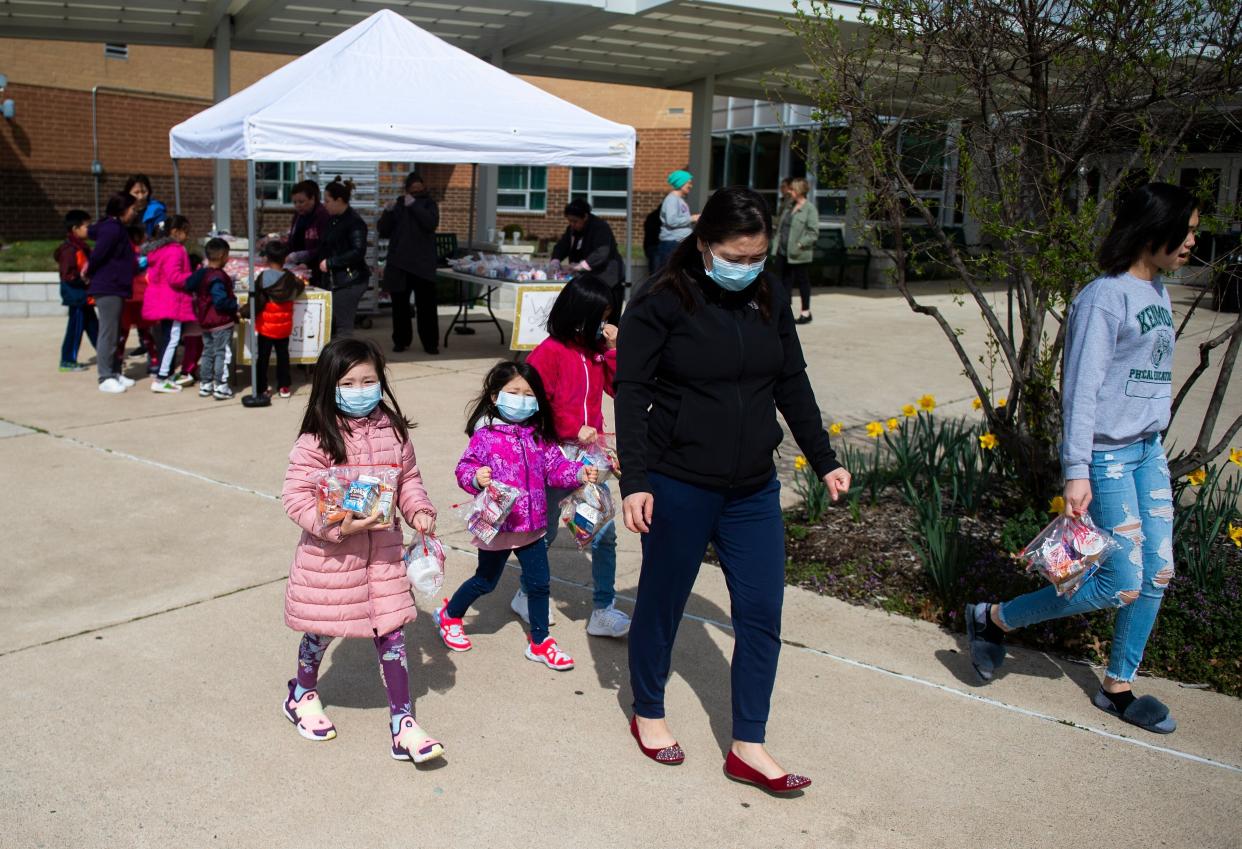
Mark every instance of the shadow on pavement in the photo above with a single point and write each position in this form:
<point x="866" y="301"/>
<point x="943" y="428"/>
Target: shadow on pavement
<point x="1029" y="663"/>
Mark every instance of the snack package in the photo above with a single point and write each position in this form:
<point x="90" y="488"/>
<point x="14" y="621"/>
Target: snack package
<point x="602" y="454"/>
<point x="1068" y="551"/>
<point x="487" y="511"/>
<point x="587" y="511"/>
<point x="424" y="564"/>
<point x="360" y="490"/>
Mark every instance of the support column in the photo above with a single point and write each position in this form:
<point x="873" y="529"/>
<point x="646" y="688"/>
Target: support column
<point x="701" y="114"/>
<point x="219" y="91"/>
<point x="486" y="184"/>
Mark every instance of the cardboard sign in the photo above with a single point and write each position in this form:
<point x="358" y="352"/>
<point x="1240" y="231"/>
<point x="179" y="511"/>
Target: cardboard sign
<point x="532" y="305"/>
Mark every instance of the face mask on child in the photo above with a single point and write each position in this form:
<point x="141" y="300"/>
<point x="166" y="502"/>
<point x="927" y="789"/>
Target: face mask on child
<point x="516" y="408"/>
<point x="358" y="402"/>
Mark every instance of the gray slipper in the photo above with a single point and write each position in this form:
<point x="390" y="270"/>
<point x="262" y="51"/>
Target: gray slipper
<point x="986" y="654"/>
<point x="1147" y="712"/>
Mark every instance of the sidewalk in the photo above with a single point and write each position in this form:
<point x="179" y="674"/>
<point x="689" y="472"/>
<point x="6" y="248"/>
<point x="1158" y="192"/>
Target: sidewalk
<point x="144" y="658"/>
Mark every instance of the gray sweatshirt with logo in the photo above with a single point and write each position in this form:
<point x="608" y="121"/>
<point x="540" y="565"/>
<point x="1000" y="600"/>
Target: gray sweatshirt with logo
<point x="1118" y="372"/>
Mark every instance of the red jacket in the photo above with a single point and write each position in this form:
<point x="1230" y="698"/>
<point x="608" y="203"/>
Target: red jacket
<point x="575" y="380"/>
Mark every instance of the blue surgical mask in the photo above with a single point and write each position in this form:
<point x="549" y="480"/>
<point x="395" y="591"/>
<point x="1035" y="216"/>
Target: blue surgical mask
<point x="358" y="402"/>
<point x="516" y="408"/>
<point x="733" y="276"/>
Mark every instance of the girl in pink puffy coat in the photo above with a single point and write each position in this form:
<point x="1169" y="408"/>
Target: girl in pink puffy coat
<point x="348" y="578"/>
<point x="513" y="442"/>
<point x="166" y="302"/>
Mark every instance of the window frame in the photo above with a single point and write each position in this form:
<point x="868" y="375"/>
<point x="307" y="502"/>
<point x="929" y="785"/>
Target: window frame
<point x="526" y="192"/>
<point x="592" y="193"/>
<point x="283" y="184"/>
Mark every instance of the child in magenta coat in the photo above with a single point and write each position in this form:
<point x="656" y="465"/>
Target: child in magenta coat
<point x="348" y="579"/>
<point x="512" y="441"/>
<point x="166" y="301"/>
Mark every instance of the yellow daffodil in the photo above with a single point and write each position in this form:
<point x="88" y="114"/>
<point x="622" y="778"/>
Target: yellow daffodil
<point x="1002" y="402"/>
<point x="1057" y="505"/>
<point x="799" y="463"/>
<point x="977" y="403"/>
<point x="1197" y="477"/>
<point x="875" y="430"/>
<point x="909" y="411"/>
<point x="988" y="441"/>
<point x="927" y="403"/>
<point x="1235" y="535"/>
<point x="836" y="428"/>
<point x="893" y="424"/>
<point x="1235" y="456"/>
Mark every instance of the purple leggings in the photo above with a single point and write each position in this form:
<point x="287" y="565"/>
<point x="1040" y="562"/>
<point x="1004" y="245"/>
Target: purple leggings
<point x="393" y="670"/>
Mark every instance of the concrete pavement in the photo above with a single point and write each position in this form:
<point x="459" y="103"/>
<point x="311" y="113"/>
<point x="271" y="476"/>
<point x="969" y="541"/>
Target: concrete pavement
<point x="144" y="660"/>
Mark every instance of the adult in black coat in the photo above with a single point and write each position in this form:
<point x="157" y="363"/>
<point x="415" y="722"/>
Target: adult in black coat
<point x="343" y="256"/>
<point x="589" y="245"/>
<point x="409" y="224"/>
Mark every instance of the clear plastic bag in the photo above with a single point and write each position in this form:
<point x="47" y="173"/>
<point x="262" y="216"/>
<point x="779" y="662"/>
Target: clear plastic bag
<point x="361" y="490"/>
<point x="424" y="564"/>
<point x="1068" y="551"/>
<point x="587" y="511"/>
<point x="487" y="511"/>
<point x="602" y="454"/>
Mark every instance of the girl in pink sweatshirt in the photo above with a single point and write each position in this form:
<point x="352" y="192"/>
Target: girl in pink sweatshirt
<point x="512" y="442"/>
<point x="348" y="578"/>
<point x="577" y="363"/>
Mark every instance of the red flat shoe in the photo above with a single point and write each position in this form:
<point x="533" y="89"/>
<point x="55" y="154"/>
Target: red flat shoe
<point x="738" y="770"/>
<point x="669" y="755"/>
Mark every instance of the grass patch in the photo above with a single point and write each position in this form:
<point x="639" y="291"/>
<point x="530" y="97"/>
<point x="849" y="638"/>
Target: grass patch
<point x="34" y="255"/>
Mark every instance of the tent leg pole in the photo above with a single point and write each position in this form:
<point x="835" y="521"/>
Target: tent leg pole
<point x="254" y="399"/>
<point x="176" y="187"/>
<point x="629" y="231"/>
<point x="474" y="190"/>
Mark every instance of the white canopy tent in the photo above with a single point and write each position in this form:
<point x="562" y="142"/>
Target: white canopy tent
<point x="386" y="90"/>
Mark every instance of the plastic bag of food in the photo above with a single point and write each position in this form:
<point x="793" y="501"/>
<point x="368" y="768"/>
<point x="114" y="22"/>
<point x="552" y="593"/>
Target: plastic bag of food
<point x="586" y="512"/>
<point x="602" y="454"/>
<point x="487" y="511"/>
<point x="359" y="490"/>
<point x="1068" y="551"/>
<point x="424" y="564"/>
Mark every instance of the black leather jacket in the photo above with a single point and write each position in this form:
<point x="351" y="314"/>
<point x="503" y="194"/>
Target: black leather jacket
<point x="344" y="246"/>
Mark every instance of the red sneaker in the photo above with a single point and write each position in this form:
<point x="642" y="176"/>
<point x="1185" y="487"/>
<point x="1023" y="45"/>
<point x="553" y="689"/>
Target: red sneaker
<point x="549" y="654"/>
<point x="451" y="630"/>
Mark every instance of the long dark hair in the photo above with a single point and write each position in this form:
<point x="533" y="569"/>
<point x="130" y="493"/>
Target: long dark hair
<point x="118" y="203"/>
<point x="485" y="408"/>
<point x="134" y="180"/>
<point x="164" y="228"/>
<point x="1152" y="217"/>
<point x="323" y="417"/>
<point x="579" y="310"/>
<point x="732" y="211"/>
<point x="307" y="187"/>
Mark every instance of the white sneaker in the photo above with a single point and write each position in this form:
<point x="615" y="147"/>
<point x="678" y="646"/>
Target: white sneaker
<point x="164" y="386"/>
<point x="521" y="606"/>
<point x="608" y="622"/>
<point x="112" y="386"/>
<point x="125" y="381"/>
<point x="205" y="390"/>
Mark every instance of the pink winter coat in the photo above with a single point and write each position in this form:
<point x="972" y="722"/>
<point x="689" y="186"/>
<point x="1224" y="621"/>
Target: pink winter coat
<point x="519" y="458"/>
<point x="354" y="586"/>
<point x="575" y="380"/>
<point x="168" y="267"/>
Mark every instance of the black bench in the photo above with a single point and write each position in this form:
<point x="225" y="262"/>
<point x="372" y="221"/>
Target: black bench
<point x="830" y="252"/>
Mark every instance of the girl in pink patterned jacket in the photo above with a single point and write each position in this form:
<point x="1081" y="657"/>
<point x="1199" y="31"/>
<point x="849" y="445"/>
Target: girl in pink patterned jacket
<point x="348" y="578"/>
<point x="513" y="442"/>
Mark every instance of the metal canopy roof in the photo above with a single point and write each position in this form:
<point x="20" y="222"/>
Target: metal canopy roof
<point x="658" y="43"/>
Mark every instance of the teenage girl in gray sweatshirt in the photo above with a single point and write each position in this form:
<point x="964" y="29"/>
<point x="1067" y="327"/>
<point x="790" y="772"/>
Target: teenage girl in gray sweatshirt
<point x="1115" y="398"/>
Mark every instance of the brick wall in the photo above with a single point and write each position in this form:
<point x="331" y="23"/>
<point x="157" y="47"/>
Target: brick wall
<point x="45" y="158"/>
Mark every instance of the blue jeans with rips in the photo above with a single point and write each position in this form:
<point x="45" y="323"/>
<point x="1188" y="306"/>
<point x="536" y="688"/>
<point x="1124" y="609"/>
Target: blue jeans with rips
<point x="1133" y="498"/>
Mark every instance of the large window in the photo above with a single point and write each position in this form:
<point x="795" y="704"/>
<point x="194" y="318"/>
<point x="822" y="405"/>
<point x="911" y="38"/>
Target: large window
<point x="274" y="181"/>
<point x="922" y="149"/>
<point x="832" y="155"/>
<point x="522" y="188"/>
<point x="604" y="189"/>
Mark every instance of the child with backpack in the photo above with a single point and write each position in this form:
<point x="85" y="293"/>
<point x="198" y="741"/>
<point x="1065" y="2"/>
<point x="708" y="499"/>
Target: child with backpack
<point x="215" y="308"/>
<point x="71" y="256"/>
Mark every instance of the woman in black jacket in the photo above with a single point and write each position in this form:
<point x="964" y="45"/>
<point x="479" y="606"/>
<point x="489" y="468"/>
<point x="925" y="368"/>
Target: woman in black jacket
<point x="706" y="357"/>
<point x="343" y="256"/>
<point x="409" y="224"/>
<point x="589" y="245"/>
